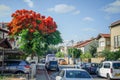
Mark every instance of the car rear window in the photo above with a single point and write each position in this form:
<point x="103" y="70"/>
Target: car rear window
<point x="77" y="74"/>
<point x="94" y="65"/>
<point x="53" y="62"/>
<point x="116" y="65"/>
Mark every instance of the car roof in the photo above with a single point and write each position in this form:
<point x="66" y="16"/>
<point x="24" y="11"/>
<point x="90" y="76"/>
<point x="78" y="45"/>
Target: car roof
<point x="14" y="60"/>
<point x="73" y="69"/>
<point x="111" y="61"/>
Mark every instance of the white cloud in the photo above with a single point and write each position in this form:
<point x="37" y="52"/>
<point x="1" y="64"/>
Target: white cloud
<point x="4" y="10"/>
<point x="63" y="8"/>
<point x="76" y="12"/>
<point x="113" y="7"/>
<point x="88" y="19"/>
<point x="29" y="2"/>
<point x="89" y="29"/>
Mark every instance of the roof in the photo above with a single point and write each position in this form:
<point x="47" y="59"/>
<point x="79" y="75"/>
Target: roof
<point x="3" y="30"/>
<point x="4" y="43"/>
<point x="115" y="23"/>
<point x="111" y="61"/>
<point x="84" y="43"/>
<point x="11" y="51"/>
<point x="103" y="35"/>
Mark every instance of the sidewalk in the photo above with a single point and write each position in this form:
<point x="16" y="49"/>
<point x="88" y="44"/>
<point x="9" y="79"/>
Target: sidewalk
<point x="41" y="73"/>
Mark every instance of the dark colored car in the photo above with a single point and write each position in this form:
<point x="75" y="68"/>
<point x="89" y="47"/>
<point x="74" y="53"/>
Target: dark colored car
<point x="42" y="60"/>
<point x="15" y="66"/>
<point x="52" y="65"/>
<point x="91" y="67"/>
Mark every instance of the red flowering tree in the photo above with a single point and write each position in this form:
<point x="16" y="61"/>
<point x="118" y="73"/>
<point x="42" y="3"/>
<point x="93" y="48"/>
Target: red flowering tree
<point x="35" y="32"/>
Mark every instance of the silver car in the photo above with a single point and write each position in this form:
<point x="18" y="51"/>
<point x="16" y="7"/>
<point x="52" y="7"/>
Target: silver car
<point x="73" y="74"/>
<point x="15" y="66"/>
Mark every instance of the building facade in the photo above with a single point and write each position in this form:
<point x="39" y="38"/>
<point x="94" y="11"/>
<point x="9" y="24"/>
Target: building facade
<point x="85" y="45"/>
<point x="103" y="42"/>
<point x="4" y="35"/>
<point x="115" y="35"/>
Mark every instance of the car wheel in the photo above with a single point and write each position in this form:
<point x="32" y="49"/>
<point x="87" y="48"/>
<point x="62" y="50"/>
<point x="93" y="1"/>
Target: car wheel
<point x="108" y="77"/>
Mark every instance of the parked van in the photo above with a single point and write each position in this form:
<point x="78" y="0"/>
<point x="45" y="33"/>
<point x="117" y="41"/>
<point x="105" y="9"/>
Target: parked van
<point x="109" y="70"/>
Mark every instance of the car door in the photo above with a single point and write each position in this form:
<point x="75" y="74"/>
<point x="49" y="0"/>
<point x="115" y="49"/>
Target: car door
<point x="100" y="69"/>
<point x="105" y="69"/>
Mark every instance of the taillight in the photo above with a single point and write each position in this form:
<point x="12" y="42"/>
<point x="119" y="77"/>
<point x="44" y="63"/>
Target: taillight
<point x="27" y="66"/>
<point x="111" y="70"/>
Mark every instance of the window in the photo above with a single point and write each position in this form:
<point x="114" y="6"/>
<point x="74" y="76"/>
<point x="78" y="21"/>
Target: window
<point x="116" y="65"/>
<point x="77" y="74"/>
<point x="100" y="65"/>
<point x="108" y="42"/>
<point x="102" y="43"/>
<point x="117" y="41"/>
<point x="107" y="65"/>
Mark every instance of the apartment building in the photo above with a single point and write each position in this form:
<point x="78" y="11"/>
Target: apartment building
<point x="115" y="35"/>
<point x="103" y="42"/>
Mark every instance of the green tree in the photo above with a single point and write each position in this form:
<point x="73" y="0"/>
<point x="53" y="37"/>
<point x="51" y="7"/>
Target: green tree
<point x="39" y="43"/>
<point x="86" y="55"/>
<point x="111" y="55"/>
<point x="74" y="52"/>
<point x="34" y="31"/>
<point x="59" y="54"/>
<point x="93" y="49"/>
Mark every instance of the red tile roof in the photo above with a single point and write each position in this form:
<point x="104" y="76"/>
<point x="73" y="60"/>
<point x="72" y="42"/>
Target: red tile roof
<point x="84" y="43"/>
<point x="103" y="35"/>
<point x="115" y="23"/>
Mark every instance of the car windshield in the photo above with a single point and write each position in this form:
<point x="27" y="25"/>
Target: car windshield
<point x="77" y="74"/>
<point x="116" y="65"/>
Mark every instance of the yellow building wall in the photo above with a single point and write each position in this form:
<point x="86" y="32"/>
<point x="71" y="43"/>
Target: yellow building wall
<point x="115" y="31"/>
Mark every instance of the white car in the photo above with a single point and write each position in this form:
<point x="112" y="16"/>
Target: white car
<point x="73" y="74"/>
<point x="109" y="70"/>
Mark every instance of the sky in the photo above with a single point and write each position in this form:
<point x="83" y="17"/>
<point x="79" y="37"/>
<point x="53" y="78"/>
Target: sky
<point x="76" y="19"/>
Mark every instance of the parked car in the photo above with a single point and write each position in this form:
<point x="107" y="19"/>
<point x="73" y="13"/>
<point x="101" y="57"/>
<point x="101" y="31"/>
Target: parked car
<point x="62" y="62"/>
<point x="15" y="66"/>
<point x="52" y="65"/>
<point x="42" y="60"/>
<point x="73" y="74"/>
<point x="80" y="65"/>
<point x="59" y="60"/>
<point x="91" y="67"/>
<point x="109" y="70"/>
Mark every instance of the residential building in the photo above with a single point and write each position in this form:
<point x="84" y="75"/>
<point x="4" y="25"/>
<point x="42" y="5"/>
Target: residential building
<point x="4" y="43"/>
<point x="4" y="35"/>
<point x="115" y="35"/>
<point x="103" y="42"/>
<point x="85" y="45"/>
